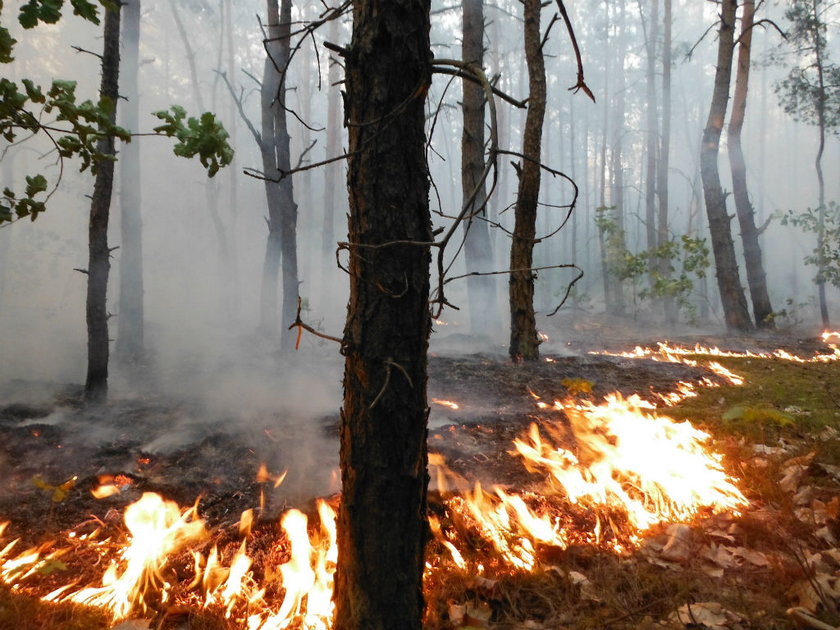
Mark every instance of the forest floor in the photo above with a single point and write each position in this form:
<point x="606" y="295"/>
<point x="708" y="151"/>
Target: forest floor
<point x="735" y="569"/>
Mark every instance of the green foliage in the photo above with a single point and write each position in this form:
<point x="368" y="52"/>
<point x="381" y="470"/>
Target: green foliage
<point x="76" y="128"/>
<point x="811" y="90"/>
<point x="204" y="137"/>
<point x="826" y="253"/>
<point x="692" y="254"/>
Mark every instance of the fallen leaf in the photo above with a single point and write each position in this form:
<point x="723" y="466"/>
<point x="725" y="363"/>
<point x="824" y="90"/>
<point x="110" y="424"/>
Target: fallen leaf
<point x="678" y="546"/>
<point x="711" y="615"/>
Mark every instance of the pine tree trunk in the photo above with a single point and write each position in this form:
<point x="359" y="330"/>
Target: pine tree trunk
<point x="96" y="385"/>
<point x="756" y="278"/>
<point x="130" y="318"/>
<point x="524" y="342"/>
<point x="478" y="252"/>
<point x="382" y="526"/>
<point x="732" y="296"/>
<point x="652" y="135"/>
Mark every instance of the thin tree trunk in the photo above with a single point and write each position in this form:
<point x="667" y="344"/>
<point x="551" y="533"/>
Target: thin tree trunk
<point x="130" y="318"/>
<point x="382" y="527"/>
<point x="478" y="252"/>
<point x="333" y="180"/>
<point x="652" y="135"/>
<point x="281" y="248"/>
<point x="288" y="221"/>
<point x="732" y="296"/>
<point x="664" y="161"/>
<point x="756" y="278"/>
<point x="821" y="124"/>
<point x="524" y="342"/>
<point x="96" y="385"/>
<point x="617" y="241"/>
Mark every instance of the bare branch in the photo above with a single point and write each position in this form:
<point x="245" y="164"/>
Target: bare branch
<point x="581" y="83"/>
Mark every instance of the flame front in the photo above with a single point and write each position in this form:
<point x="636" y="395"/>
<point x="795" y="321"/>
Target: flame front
<point x="628" y="457"/>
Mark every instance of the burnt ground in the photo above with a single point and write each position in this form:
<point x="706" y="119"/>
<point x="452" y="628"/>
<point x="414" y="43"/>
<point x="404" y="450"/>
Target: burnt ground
<point x="183" y="451"/>
<point x="53" y="451"/>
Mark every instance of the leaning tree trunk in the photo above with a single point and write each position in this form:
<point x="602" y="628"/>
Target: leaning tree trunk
<point x="524" y="342"/>
<point x="478" y="252"/>
<point x="382" y="517"/>
<point x="130" y="320"/>
<point x="756" y="278"/>
<point x="732" y="297"/>
<point x="96" y="385"/>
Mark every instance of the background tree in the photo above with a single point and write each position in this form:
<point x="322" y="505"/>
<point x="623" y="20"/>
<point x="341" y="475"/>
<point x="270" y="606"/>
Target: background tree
<point x="732" y="296"/>
<point x="524" y="342"/>
<point x="382" y="517"/>
<point x="478" y="250"/>
<point x="756" y="278"/>
<point x="811" y="93"/>
<point x="130" y="317"/>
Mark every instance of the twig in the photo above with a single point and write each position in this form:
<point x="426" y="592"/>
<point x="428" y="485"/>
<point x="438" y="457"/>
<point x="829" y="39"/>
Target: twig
<point x="301" y="326"/>
<point x="581" y="83"/>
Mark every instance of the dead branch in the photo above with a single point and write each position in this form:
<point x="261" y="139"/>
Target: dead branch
<point x="237" y="100"/>
<point x="554" y="19"/>
<point x="469" y="77"/>
<point x="301" y="326"/>
<point x="581" y="83"/>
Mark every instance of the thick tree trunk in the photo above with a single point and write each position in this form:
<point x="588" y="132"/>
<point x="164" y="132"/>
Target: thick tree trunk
<point x="478" y="252"/>
<point x="130" y="319"/>
<point x="732" y="296"/>
<point x="96" y="385"/>
<point x="664" y="160"/>
<point x="756" y="278"/>
<point x="281" y="248"/>
<point x="382" y="527"/>
<point x="524" y="342"/>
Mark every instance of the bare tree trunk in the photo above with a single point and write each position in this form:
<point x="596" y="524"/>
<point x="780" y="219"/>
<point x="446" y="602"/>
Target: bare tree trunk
<point x="652" y="132"/>
<point x="617" y="244"/>
<point x="732" y="296"/>
<point x="478" y="252"/>
<point x="96" y="385"/>
<point x="333" y="181"/>
<point x="821" y="124"/>
<point x="382" y="527"/>
<point x="756" y="278"/>
<point x="130" y="319"/>
<point x="524" y="342"/>
<point x="664" y="160"/>
<point x="281" y="248"/>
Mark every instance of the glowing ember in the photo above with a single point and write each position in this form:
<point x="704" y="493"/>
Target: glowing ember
<point x="446" y="403"/>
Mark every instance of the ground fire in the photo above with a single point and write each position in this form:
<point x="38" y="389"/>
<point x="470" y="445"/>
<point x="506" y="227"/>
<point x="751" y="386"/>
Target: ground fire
<point x="599" y="473"/>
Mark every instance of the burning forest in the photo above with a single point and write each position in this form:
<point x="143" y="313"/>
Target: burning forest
<point x="573" y="507"/>
<point x="414" y="315"/>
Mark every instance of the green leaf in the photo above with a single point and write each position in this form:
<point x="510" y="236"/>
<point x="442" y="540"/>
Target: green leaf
<point x="86" y="10"/>
<point x="35" y="185"/>
<point x="34" y="11"/>
<point x="7" y="43"/>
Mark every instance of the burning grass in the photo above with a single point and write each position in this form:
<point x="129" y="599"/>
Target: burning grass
<point x="585" y="535"/>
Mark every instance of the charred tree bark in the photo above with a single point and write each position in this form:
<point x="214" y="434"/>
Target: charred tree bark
<point x="524" y="342"/>
<point x="756" y="278"/>
<point x="281" y="248"/>
<point x="382" y="526"/>
<point x="478" y="252"/>
<point x="732" y="296"/>
<point x="130" y="320"/>
<point x="99" y="265"/>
